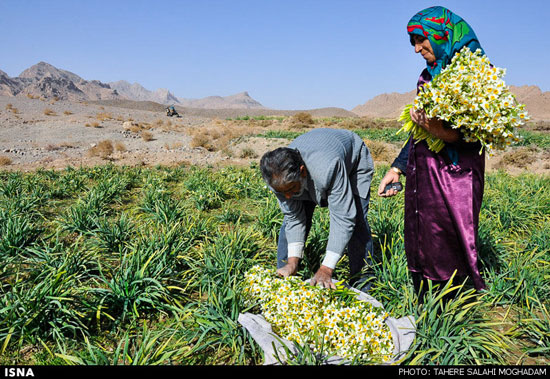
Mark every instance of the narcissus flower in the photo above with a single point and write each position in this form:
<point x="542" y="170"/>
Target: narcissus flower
<point x="471" y="96"/>
<point x="305" y="314"/>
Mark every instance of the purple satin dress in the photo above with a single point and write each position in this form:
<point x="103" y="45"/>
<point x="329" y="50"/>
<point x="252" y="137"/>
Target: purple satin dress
<point x="442" y="205"/>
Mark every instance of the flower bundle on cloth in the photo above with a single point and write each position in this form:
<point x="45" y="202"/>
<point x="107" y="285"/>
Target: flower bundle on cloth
<point x="334" y="319"/>
<point x="471" y="96"/>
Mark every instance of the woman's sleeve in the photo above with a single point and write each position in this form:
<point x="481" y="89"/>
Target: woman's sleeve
<point x="401" y="161"/>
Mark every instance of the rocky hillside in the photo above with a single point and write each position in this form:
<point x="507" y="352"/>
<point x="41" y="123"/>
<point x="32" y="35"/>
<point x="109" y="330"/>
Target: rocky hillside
<point x="238" y="101"/>
<point x="45" y="80"/>
<point x="389" y="105"/>
<point x="386" y="105"/>
<point x="137" y="92"/>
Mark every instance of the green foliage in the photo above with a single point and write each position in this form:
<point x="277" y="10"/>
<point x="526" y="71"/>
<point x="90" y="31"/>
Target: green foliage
<point x="117" y="265"/>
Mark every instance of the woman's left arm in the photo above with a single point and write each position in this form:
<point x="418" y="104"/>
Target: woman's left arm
<point x="435" y="126"/>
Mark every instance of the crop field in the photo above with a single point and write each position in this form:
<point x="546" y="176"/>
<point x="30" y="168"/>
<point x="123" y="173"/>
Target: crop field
<point x="144" y="265"/>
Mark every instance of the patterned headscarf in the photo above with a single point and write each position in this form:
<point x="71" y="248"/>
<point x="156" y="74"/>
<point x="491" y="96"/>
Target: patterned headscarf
<point x="447" y="33"/>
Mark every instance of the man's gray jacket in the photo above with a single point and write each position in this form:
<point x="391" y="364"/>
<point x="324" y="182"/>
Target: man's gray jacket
<point x="339" y="166"/>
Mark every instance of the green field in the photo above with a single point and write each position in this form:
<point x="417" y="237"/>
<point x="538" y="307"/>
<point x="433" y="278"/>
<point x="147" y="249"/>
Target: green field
<point x="120" y="265"/>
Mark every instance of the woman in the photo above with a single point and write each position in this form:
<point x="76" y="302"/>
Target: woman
<point x="444" y="190"/>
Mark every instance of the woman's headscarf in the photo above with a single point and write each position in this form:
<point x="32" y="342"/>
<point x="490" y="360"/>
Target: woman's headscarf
<point x="447" y="33"/>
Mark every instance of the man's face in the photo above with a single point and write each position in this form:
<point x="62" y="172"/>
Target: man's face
<point x="294" y="189"/>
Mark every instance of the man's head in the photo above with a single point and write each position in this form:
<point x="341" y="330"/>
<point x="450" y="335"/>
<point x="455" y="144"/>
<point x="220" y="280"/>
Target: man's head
<point x="284" y="170"/>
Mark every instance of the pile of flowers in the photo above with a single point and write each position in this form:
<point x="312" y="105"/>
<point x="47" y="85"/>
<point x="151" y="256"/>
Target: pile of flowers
<point x="471" y="95"/>
<point x="333" y="321"/>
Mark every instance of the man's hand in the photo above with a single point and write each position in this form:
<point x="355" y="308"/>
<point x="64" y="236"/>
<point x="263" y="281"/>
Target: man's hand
<point x="323" y="277"/>
<point x="290" y="268"/>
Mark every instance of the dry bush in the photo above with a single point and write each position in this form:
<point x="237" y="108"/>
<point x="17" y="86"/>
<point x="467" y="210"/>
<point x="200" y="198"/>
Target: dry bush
<point x="147" y="136"/>
<point x="214" y="138"/>
<point x="50" y="147"/>
<point x="380" y="151"/>
<point x="96" y="124"/>
<point x="66" y="145"/>
<point x="248" y="152"/>
<point x="302" y="118"/>
<point x="202" y="140"/>
<point x="119" y="146"/>
<point x="12" y="109"/>
<point x="87" y="125"/>
<point x="367" y="123"/>
<point x="135" y="128"/>
<point x="265" y="123"/>
<point x="62" y="145"/>
<point x="520" y="157"/>
<point x="67" y="113"/>
<point x="4" y="161"/>
<point x="102" y="116"/>
<point x="175" y="145"/>
<point x="540" y="125"/>
<point x="31" y="96"/>
<point x="49" y="112"/>
<point x="103" y="149"/>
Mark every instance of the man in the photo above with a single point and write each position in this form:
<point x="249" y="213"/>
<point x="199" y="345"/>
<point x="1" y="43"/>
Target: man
<point x="324" y="167"/>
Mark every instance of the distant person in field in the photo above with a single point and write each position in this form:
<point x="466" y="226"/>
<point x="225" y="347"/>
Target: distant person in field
<point x="327" y="168"/>
<point x="444" y="190"/>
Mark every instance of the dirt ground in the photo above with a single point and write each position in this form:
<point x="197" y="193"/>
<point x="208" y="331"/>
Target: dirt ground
<point x="55" y="134"/>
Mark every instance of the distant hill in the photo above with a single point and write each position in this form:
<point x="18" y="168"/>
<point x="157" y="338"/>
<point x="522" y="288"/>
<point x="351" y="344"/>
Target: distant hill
<point x="137" y="92"/>
<point x="386" y="105"/>
<point x="45" y="80"/>
<point x="390" y="105"/>
<point x="238" y="101"/>
<point x="224" y="112"/>
<point x="536" y="102"/>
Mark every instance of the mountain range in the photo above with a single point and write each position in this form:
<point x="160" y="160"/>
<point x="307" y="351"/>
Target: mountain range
<point x="137" y="92"/>
<point x="390" y="105"/>
<point x="47" y="81"/>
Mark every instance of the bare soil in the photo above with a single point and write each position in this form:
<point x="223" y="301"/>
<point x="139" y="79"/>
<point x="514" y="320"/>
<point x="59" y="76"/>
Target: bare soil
<point x="55" y="134"/>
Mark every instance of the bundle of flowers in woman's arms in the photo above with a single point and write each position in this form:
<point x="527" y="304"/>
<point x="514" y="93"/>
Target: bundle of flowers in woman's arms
<point x="332" y="319"/>
<point x="471" y="96"/>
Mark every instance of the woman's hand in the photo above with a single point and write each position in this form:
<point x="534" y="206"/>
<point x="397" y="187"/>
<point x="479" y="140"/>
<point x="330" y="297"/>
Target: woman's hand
<point x="434" y="126"/>
<point x="390" y="177"/>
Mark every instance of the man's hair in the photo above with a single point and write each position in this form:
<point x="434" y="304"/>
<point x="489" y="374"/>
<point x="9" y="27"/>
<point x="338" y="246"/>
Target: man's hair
<point x="281" y="166"/>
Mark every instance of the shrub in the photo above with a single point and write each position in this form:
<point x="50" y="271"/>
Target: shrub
<point x="248" y="152"/>
<point x="4" y="161"/>
<point x="103" y="149"/>
<point x="302" y="118"/>
<point x="102" y="116"/>
<point x="119" y="146"/>
<point x="147" y="136"/>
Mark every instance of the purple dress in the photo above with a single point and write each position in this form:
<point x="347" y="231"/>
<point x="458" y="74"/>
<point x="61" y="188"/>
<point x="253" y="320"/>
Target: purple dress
<point x="442" y="205"/>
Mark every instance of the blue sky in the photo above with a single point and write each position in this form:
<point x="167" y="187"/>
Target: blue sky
<point x="288" y="54"/>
